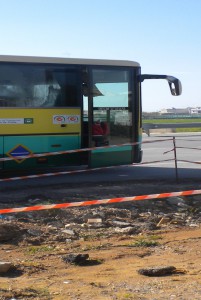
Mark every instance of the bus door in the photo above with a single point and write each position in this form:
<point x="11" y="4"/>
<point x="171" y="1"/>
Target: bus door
<point x="110" y="116"/>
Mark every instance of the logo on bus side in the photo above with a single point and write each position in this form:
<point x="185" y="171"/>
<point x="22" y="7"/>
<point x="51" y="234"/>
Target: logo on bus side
<point x="66" y="119"/>
<point x="19" y="150"/>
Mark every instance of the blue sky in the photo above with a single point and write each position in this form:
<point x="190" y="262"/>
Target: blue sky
<point x="162" y="35"/>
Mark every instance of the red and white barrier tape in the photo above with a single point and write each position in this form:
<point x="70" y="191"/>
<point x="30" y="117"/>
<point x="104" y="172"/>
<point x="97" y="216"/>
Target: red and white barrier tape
<point x="189" y="148"/>
<point x="98" y="202"/>
<point x="189" y="161"/>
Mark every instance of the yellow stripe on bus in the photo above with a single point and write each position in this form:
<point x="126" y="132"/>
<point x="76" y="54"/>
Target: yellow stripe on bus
<point x="37" y="121"/>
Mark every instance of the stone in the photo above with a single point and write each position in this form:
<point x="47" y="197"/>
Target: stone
<point x="9" y="232"/>
<point x="157" y="271"/>
<point x="5" y="266"/>
<point x="34" y="232"/>
<point x="77" y="259"/>
<point x="68" y="231"/>
<point x="68" y="240"/>
<point x="94" y="220"/>
<point x="120" y="223"/>
<point x="72" y="226"/>
<point x="176" y="201"/>
<point x="127" y="230"/>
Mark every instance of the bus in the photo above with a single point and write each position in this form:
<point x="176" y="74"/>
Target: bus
<point x="53" y="105"/>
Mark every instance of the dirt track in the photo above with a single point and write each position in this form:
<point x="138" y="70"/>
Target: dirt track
<point x="40" y="244"/>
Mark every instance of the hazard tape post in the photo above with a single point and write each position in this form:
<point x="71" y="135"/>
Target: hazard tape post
<point x="99" y="202"/>
<point x="175" y="160"/>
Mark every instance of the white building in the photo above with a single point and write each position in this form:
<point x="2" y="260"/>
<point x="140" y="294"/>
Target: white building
<point x="175" y="111"/>
<point x="196" y="110"/>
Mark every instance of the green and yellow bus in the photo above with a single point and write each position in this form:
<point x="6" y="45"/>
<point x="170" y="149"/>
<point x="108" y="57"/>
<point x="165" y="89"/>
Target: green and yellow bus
<point x="53" y="105"/>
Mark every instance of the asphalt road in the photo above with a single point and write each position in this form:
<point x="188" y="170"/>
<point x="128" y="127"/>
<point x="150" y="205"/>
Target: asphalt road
<point x="186" y="148"/>
<point x="154" y="149"/>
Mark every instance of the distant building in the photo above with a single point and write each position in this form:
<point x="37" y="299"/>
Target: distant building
<point x="175" y="111"/>
<point x="196" y="110"/>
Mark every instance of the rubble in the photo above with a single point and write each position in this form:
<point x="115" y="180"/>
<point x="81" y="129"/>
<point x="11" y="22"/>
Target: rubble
<point x="67" y="225"/>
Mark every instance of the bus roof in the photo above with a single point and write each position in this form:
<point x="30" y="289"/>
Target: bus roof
<point x="76" y="61"/>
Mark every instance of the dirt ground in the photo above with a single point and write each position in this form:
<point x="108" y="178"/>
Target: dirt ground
<point x="119" y="239"/>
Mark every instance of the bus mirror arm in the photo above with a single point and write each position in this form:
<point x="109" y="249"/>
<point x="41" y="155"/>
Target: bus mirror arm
<point x="174" y="83"/>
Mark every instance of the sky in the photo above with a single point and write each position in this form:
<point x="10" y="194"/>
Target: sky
<point x="164" y="36"/>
